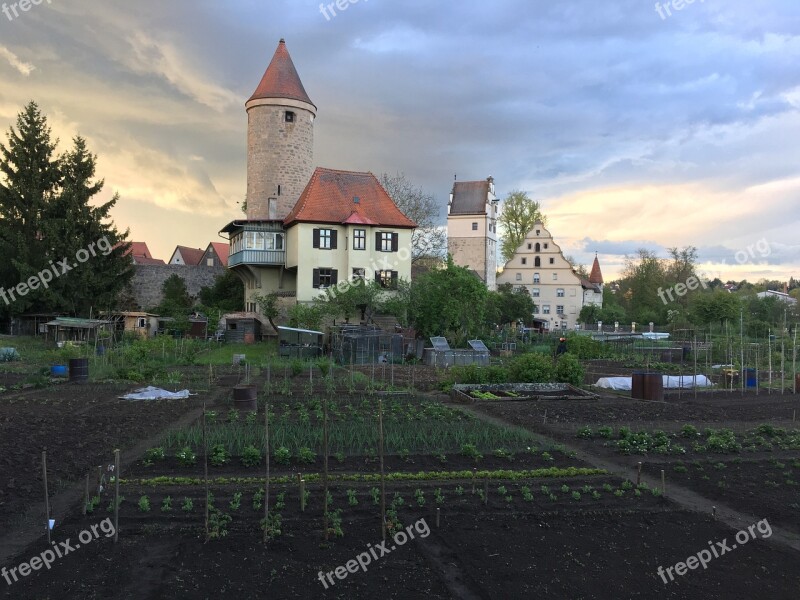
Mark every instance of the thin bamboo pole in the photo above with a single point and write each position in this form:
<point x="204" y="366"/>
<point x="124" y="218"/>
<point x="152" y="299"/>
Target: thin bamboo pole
<point x="46" y="494"/>
<point x="266" y="478"/>
<point x="325" y="465"/>
<point x="205" y="468"/>
<point x="116" y="495"/>
<point x="383" y="477"/>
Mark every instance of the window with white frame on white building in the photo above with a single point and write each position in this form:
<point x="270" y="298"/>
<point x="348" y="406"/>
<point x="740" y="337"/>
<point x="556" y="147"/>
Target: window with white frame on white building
<point x="535" y="278"/>
<point x="555" y="276"/>
<point x="535" y="292"/>
<point x="560" y="292"/>
<point x="360" y="239"/>
<point x="546" y="309"/>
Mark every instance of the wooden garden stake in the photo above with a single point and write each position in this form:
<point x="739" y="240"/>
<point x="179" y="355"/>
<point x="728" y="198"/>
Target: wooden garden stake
<point x="302" y="495"/>
<point x="714" y="512"/>
<point x="383" y="477"/>
<point x="639" y="474"/>
<point x="438" y="513"/>
<point x="205" y="467"/>
<point x="86" y="496"/>
<point x="116" y="495"/>
<point x="325" y="463"/>
<point x="663" y="483"/>
<point x="266" y="479"/>
<point x="545" y="417"/>
<point x="46" y="494"/>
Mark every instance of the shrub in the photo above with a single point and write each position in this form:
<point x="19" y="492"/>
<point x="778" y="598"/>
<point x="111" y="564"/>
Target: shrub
<point x="144" y="504"/>
<point x="605" y="432"/>
<point x="531" y="368"/>
<point x="282" y="455"/>
<point x="584" y="347"/>
<point x="689" y="431"/>
<point x="585" y="432"/>
<point x="306" y="455"/>
<point x="569" y="370"/>
<point x="219" y="455"/>
<point x="186" y="456"/>
<point x="153" y="454"/>
<point x="251" y="456"/>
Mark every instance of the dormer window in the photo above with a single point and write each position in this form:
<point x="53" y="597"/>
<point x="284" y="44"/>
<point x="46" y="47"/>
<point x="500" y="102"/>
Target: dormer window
<point x="289" y="116"/>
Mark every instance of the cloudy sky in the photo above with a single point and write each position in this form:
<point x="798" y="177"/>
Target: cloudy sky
<point x="634" y="128"/>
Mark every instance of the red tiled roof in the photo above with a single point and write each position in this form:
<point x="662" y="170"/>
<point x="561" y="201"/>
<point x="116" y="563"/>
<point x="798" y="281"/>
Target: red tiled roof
<point x="281" y="79"/>
<point x="222" y="249"/>
<point x="139" y="249"/>
<point x="596" y="276"/>
<point x="191" y="256"/>
<point x="141" y="260"/>
<point x="340" y="196"/>
<point x="357" y="219"/>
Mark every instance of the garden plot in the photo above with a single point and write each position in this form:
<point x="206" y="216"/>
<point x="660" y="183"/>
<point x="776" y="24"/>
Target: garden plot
<point x="518" y="392"/>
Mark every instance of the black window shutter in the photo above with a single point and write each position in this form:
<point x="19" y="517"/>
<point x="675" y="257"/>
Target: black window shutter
<point x="378" y="276"/>
<point x="378" y="241"/>
<point x="334" y="235"/>
<point x="316" y="272"/>
<point x="394" y="280"/>
<point x="395" y="242"/>
<point x="316" y="240"/>
<point x="334" y="276"/>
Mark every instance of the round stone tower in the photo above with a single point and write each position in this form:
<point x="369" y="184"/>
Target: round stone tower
<point x="280" y="140"/>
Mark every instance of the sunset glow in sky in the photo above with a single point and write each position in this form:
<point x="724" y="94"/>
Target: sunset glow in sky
<point x="632" y="129"/>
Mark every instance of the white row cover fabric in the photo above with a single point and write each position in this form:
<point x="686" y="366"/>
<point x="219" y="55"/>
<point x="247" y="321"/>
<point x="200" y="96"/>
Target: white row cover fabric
<point x="154" y="393"/>
<point x="671" y="382"/>
<point x="655" y="336"/>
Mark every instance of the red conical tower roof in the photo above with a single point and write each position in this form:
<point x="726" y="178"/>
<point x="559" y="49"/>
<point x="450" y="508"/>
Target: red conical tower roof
<point x="596" y="276"/>
<point x="281" y="79"/>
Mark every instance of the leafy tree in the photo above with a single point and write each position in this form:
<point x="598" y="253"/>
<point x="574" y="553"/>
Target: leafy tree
<point x="46" y="215"/>
<point x="305" y="316"/>
<point x="449" y="300"/>
<point x="175" y="296"/>
<point x="226" y="294"/>
<point x="518" y="216"/>
<point x="509" y="304"/>
<point x="429" y="238"/>
<point x="532" y="367"/>
<point x="718" y="306"/>
<point x="268" y="306"/>
<point x="590" y="314"/>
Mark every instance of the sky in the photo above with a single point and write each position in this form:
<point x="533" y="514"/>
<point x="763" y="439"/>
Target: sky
<point x="635" y="124"/>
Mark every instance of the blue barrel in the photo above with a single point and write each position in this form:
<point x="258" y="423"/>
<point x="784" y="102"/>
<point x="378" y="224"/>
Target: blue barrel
<point x="751" y="377"/>
<point x="58" y="371"/>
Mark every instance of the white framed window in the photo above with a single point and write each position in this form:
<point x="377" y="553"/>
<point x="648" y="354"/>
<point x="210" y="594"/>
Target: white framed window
<point x="474" y="227"/>
<point x="560" y="292"/>
<point x="535" y="278"/>
<point x="560" y="309"/>
<point x="519" y="276"/>
<point x="555" y="276"/>
<point x="325" y="239"/>
<point x="360" y="239"/>
<point x="546" y="309"/>
<point x="535" y="292"/>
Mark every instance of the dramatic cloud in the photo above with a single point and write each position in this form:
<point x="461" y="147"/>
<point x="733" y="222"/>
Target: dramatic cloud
<point x="633" y="130"/>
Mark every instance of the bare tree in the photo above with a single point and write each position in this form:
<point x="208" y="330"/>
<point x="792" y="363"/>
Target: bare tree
<point x="429" y="238"/>
<point x="579" y="269"/>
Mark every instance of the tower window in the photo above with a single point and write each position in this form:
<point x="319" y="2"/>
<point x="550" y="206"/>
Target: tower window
<point x="552" y="261"/>
<point x="537" y="262"/>
<point x="474" y="227"/>
<point x="289" y="116"/>
<point x="524" y="261"/>
<point x="538" y="247"/>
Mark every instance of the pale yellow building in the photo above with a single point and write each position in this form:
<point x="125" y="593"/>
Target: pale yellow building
<point x="559" y="293"/>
